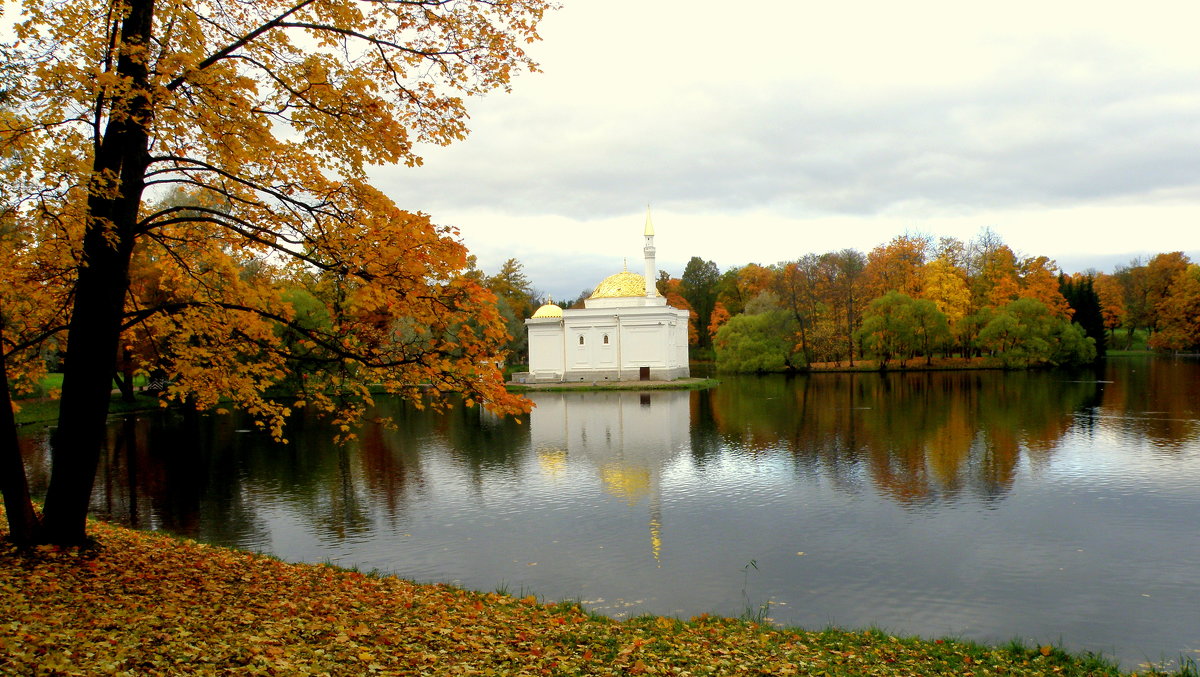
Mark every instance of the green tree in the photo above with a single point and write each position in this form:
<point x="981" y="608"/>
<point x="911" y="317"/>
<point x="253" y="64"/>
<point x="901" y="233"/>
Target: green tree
<point x="757" y="343"/>
<point x="699" y="286"/>
<point x="888" y="329"/>
<point x="931" y="330"/>
<point x="1024" y="333"/>
<point x="515" y="299"/>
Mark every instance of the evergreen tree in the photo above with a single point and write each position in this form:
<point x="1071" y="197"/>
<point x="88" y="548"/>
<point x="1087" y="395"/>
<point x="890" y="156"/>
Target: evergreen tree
<point x="1081" y="295"/>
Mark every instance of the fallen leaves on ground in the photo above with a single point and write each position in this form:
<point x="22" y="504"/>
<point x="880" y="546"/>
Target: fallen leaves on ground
<point x="149" y="604"/>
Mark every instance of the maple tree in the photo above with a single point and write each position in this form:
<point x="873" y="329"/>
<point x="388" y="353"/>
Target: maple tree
<point x="268" y="114"/>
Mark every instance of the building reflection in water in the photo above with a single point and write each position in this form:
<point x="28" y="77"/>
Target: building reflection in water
<point x="627" y="438"/>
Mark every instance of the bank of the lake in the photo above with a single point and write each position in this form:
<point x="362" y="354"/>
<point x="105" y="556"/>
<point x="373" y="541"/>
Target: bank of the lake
<point x="586" y="386"/>
<point x="150" y="604"/>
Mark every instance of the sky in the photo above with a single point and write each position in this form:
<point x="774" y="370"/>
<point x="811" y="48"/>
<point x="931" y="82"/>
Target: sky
<point x="760" y="132"/>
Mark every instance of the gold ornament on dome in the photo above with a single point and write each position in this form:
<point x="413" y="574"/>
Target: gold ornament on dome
<point x="619" y="285"/>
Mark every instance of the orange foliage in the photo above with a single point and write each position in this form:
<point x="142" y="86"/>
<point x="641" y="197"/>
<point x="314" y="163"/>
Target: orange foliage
<point x="1112" y="300"/>
<point x="1039" y="281"/>
<point x="896" y="266"/>
<point x="676" y="300"/>
<point x="268" y="114"/>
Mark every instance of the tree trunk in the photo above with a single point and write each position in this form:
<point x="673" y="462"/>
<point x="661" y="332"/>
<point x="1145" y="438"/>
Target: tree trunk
<point x="124" y="375"/>
<point x="95" y="327"/>
<point x="23" y="524"/>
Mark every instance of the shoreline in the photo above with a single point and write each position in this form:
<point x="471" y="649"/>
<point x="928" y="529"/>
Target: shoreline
<point x="153" y="603"/>
<point x="677" y="384"/>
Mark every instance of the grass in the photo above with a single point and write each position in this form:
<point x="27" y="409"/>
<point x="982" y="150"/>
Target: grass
<point x="149" y="604"/>
<point x="592" y="386"/>
<point x="45" y="410"/>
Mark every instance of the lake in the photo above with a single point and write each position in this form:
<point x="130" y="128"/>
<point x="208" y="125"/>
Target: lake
<point x="1054" y="507"/>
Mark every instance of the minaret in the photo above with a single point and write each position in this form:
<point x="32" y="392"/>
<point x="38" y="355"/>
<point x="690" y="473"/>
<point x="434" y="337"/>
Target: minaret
<point x="651" y="269"/>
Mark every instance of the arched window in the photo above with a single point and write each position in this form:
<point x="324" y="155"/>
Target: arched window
<point x="581" y="339"/>
<point x="606" y="339"/>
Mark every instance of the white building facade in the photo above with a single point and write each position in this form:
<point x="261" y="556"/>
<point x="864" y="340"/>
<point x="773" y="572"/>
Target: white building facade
<point x="625" y="332"/>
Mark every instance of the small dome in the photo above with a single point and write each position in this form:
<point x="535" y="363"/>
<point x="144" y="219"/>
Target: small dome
<point x="621" y="284"/>
<point x="548" y="310"/>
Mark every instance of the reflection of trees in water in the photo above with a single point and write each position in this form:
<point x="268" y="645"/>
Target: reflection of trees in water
<point x="484" y="443"/>
<point x="917" y="436"/>
<point x="1157" y="398"/>
<point x="168" y="470"/>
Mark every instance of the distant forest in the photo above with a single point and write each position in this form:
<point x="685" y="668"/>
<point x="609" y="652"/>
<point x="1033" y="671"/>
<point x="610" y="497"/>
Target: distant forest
<point x="910" y="301"/>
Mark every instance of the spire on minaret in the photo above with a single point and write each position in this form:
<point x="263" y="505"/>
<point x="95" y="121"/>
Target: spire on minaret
<point x="648" y="250"/>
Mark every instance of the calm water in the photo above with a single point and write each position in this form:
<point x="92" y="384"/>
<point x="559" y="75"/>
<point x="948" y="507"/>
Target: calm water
<point x="1052" y="507"/>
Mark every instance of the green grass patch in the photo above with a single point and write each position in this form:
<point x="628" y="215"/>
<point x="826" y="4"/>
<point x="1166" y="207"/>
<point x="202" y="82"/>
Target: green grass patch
<point x="45" y="410"/>
<point x="590" y="386"/>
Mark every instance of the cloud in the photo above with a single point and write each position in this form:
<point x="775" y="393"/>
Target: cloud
<point x="832" y="125"/>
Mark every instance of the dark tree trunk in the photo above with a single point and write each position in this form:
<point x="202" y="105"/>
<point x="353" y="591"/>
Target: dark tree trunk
<point x="94" y="329"/>
<point x="23" y="524"/>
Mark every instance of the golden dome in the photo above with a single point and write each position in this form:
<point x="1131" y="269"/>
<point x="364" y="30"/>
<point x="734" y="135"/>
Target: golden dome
<point x="548" y="310"/>
<point x="621" y="284"/>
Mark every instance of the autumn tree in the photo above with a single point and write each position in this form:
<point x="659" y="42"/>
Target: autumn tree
<point x="796" y="286"/>
<point x="945" y="284"/>
<point x="675" y="299"/>
<point x="1180" y="313"/>
<point x="737" y="286"/>
<point x="1162" y="271"/>
<point x="1112" y="302"/>
<point x="896" y="266"/>
<point x="270" y="113"/>
<point x="1039" y="281"/>
<point x="847" y="294"/>
<point x="996" y="281"/>
<point x="719" y="317"/>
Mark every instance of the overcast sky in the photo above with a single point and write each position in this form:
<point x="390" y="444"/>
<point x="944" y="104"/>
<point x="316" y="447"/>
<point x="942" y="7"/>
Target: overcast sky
<point x="758" y="132"/>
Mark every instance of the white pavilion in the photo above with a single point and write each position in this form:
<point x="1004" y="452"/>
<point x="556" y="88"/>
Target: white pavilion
<point x="625" y="332"/>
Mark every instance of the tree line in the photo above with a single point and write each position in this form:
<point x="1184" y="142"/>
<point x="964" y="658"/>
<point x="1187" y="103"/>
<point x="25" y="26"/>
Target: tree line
<point x="917" y="297"/>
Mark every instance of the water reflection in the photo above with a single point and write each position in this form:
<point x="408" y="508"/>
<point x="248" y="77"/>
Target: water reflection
<point x="919" y="437"/>
<point x="982" y="504"/>
<point x="628" y="438"/>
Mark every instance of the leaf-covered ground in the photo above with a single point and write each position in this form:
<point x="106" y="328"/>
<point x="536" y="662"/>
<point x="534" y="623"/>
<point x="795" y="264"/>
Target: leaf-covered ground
<point x="147" y="604"/>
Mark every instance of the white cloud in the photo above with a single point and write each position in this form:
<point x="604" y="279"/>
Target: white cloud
<point x="766" y="131"/>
